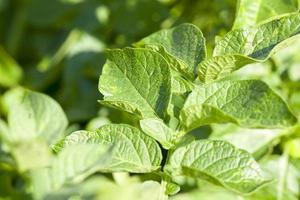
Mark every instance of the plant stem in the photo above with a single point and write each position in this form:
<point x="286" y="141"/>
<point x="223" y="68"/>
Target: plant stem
<point x="162" y="193"/>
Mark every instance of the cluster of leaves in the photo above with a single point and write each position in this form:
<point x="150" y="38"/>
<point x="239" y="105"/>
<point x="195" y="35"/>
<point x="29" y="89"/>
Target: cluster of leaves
<point x="202" y="127"/>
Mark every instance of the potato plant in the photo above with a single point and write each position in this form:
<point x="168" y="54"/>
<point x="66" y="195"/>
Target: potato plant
<point x="201" y="123"/>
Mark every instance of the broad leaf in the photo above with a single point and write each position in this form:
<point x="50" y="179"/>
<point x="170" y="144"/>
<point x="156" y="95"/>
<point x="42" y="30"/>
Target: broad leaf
<point x="185" y="42"/>
<point x="259" y="42"/>
<point x="258" y="142"/>
<point x="30" y="155"/>
<point x="133" y="151"/>
<point x="286" y="180"/>
<point x="218" y="162"/>
<point x="253" y="44"/>
<point x="105" y="189"/>
<point x="247" y="103"/>
<point x="137" y="81"/>
<point x="253" y="12"/>
<point x="74" y="163"/>
<point x="35" y="115"/>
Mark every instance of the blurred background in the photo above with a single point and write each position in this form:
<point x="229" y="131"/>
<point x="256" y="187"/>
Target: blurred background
<point x="57" y="46"/>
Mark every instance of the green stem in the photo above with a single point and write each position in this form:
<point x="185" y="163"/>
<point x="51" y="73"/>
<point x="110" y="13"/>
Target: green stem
<point x="162" y="193"/>
<point x="120" y="177"/>
<point x="283" y="174"/>
<point x="16" y="30"/>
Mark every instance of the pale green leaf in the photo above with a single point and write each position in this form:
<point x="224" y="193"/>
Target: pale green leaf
<point x="256" y="141"/>
<point x="249" y="103"/>
<point x="35" y="115"/>
<point x="73" y="164"/>
<point x="218" y="162"/>
<point x="253" y="12"/>
<point x="157" y="129"/>
<point x="101" y="188"/>
<point x="286" y="180"/>
<point x="133" y="151"/>
<point x="208" y="192"/>
<point x="136" y="80"/>
<point x="185" y="42"/>
<point x="30" y="155"/>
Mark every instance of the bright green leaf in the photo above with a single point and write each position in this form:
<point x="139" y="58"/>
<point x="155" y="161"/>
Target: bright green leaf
<point x="218" y="162"/>
<point x="259" y="42"/>
<point x="185" y="42"/>
<point x="253" y="44"/>
<point x="137" y="81"/>
<point x="133" y="151"/>
<point x="247" y="103"/>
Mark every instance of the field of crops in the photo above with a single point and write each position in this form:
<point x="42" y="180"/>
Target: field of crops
<point x="150" y="99"/>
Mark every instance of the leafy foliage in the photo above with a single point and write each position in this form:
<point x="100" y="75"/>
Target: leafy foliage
<point x="178" y="116"/>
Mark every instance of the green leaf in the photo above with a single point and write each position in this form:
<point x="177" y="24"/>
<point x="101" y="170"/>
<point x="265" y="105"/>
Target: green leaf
<point x="208" y="191"/>
<point x="218" y="162"/>
<point x="253" y="44"/>
<point x="103" y="188"/>
<point x="30" y="155"/>
<point x="259" y="42"/>
<point x="35" y="115"/>
<point x="137" y="81"/>
<point x="218" y="67"/>
<point x="184" y="42"/>
<point x="176" y="65"/>
<point x="249" y="103"/>
<point x="253" y="12"/>
<point x="10" y="71"/>
<point x="181" y="85"/>
<point x="286" y="180"/>
<point x="133" y="151"/>
<point x="258" y="142"/>
<point x="158" y="130"/>
<point x="73" y="164"/>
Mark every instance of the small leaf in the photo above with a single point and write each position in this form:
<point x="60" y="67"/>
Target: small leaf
<point x="133" y="151"/>
<point x="219" y="66"/>
<point x="10" y="71"/>
<point x="159" y="131"/>
<point x="218" y="162"/>
<point x="35" y="115"/>
<point x="185" y="42"/>
<point x="137" y="81"/>
<point x="181" y="85"/>
<point x="248" y="103"/>
<point x="172" y="188"/>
